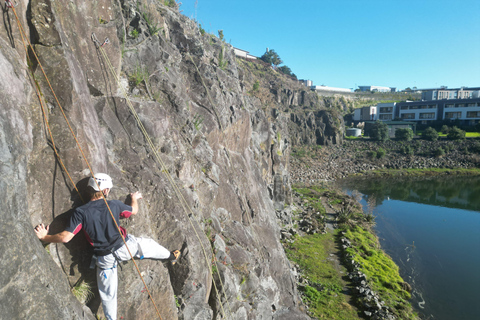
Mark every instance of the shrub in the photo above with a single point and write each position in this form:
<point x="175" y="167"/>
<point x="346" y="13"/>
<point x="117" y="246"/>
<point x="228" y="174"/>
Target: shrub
<point x="407" y="150"/>
<point x="448" y="148"/>
<point x="381" y="153"/>
<point x="430" y="134"/>
<point x="134" y="33"/>
<point x="170" y="3"/>
<point x="439" y="152"/>
<point x="256" y="85"/>
<point x="445" y="129"/>
<point x="202" y="31"/>
<point x="405" y="134"/>
<point x="456" y="134"/>
<point x="379" y="131"/>
<point x="372" y="154"/>
<point x="220" y="35"/>
<point x="475" y="147"/>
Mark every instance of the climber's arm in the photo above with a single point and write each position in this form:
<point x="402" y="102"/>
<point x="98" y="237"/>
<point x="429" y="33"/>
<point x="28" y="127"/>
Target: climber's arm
<point x="62" y="237"/>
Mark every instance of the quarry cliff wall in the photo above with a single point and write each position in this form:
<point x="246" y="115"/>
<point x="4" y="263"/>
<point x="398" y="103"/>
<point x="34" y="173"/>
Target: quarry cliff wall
<point x="225" y="147"/>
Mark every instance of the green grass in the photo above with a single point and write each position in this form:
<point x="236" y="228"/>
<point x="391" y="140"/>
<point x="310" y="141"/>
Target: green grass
<point x="324" y="297"/>
<point x="381" y="272"/>
<point x="83" y="291"/>
<point x="312" y="195"/>
<point x="353" y="138"/>
<point x="472" y="134"/>
<point x="138" y="75"/>
<point x="444" y="135"/>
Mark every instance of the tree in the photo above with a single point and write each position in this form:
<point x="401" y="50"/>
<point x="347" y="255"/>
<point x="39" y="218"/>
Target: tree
<point x="271" y="57"/>
<point x="379" y="131"/>
<point x="456" y="134"/>
<point x="430" y="134"/>
<point x="286" y="70"/>
<point x="405" y="134"/>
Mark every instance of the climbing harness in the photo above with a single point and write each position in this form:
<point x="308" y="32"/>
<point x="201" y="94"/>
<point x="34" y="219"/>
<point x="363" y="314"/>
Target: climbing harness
<point x="23" y="34"/>
<point x="187" y="210"/>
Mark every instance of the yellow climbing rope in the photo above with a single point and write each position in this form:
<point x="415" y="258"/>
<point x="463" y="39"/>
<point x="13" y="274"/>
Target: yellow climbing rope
<point x="187" y="210"/>
<point x="24" y="36"/>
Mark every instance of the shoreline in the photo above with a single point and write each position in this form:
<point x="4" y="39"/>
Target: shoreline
<point x="326" y="218"/>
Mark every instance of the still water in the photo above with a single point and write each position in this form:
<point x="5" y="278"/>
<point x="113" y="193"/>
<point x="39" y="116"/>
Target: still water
<point x="431" y="229"/>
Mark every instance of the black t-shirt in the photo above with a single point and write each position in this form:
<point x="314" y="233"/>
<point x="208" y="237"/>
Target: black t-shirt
<point x="97" y="223"/>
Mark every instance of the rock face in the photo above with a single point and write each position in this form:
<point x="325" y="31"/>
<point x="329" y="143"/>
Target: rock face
<point x="316" y="128"/>
<point x="223" y="172"/>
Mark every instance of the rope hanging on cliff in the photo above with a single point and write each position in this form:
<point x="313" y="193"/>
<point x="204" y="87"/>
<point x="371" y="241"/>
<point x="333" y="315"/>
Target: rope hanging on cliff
<point x="45" y="118"/>
<point x="187" y="210"/>
<point x="24" y="36"/>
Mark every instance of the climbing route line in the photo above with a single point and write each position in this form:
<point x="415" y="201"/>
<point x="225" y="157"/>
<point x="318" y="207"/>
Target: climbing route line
<point x="24" y="36"/>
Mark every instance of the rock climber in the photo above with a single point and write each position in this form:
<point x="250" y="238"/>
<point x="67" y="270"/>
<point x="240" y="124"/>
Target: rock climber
<point x="100" y="230"/>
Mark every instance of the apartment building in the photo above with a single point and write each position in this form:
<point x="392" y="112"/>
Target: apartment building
<point x="467" y="111"/>
<point x="386" y="111"/>
<point x="365" y="114"/>
<point x="444" y="93"/>
<point x="423" y="111"/>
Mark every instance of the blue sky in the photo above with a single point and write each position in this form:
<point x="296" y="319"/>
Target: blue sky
<point x="347" y="43"/>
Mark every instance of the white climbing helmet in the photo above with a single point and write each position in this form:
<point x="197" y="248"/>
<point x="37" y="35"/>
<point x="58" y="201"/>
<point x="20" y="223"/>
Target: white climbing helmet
<point x="103" y="180"/>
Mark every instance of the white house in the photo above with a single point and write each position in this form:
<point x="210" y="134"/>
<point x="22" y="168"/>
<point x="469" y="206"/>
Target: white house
<point x="329" y="89"/>
<point x="243" y="54"/>
<point x="376" y="89"/>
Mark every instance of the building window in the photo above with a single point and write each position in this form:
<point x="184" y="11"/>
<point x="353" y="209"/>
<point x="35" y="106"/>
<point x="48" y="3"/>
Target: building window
<point x="453" y="115"/>
<point x="470" y="104"/>
<point x="385" y="117"/>
<point x="473" y="114"/>
<point x="432" y="106"/>
<point x="449" y="106"/>
<point x="423" y="107"/>
<point x="386" y="109"/>
<point x="459" y="105"/>
<point x="430" y="115"/>
<point x="408" y="115"/>
<point x="404" y="108"/>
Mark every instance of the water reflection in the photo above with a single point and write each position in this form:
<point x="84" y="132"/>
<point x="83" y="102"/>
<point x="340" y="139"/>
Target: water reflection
<point x="448" y="191"/>
<point x="430" y="228"/>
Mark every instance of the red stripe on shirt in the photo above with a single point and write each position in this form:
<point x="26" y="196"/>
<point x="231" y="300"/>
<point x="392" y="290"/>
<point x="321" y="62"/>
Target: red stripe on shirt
<point x="88" y="237"/>
<point x="125" y="214"/>
<point x="77" y="229"/>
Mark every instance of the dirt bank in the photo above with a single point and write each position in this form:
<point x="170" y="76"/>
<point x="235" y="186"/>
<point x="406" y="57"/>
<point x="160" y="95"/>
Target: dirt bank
<point x="315" y="164"/>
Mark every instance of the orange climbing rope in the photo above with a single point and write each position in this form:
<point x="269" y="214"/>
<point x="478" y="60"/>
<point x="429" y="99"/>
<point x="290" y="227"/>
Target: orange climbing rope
<point x="23" y="34"/>
<point x="45" y="118"/>
<point x="187" y="209"/>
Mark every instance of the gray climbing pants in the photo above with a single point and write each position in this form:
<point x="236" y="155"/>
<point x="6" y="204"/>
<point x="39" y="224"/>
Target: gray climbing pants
<point x="107" y="278"/>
